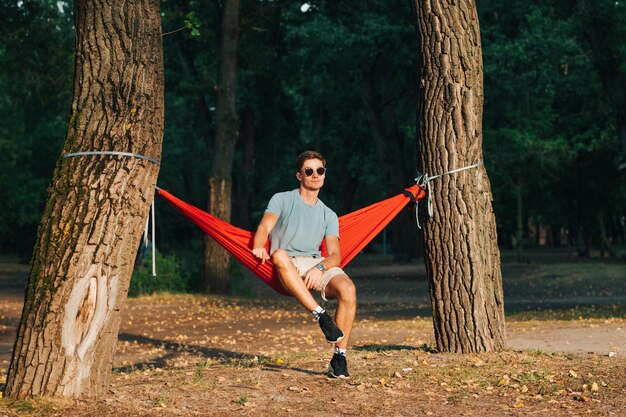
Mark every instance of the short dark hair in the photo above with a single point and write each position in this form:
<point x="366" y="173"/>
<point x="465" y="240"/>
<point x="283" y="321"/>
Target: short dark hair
<point x="305" y="156"/>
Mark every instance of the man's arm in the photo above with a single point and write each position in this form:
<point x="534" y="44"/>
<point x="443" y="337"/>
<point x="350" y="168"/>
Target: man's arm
<point x="262" y="233"/>
<point x="334" y="252"/>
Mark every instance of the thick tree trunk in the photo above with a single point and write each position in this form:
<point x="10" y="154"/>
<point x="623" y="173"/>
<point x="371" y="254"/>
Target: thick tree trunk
<point x="462" y="257"/>
<point x="97" y="205"/>
<point x="216" y="259"/>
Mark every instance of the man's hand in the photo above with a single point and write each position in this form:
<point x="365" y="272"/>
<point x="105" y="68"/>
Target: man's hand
<point x="312" y="277"/>
<point x="261" y="253"/>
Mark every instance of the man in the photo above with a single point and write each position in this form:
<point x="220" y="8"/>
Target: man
<point x="297" y="221"/>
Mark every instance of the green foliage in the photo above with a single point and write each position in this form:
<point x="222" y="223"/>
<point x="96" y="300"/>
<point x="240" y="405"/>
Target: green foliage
<point x="241" y="282"/>
<point x="545" y="114"/>
<point x="35" y="86"/>
<point x="171" y="276"/>
<point x="318" y="80"/>
<point x="192" y="23"/>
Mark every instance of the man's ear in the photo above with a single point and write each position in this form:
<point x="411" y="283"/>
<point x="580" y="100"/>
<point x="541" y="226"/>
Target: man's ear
<point x="298" y="176"/>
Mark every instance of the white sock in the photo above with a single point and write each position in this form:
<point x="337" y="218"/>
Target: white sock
<point x="340" y="351"/>
<point x="317" y="311"/>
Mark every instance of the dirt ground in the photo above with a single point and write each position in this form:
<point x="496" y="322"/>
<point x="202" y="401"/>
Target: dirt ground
<point x="197" y="355"/>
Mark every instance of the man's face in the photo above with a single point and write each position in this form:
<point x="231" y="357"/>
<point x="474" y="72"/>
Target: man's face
<point x="312" y="174"/>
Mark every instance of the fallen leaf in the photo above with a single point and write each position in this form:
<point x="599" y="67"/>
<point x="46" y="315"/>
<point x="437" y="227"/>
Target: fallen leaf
<point x="504" y="381"/>
<point x="573" y="374"/>
<point x="518" y="405"/>
<point x="477" y="362"/>
<point x="594" y="387"/>
<point x="524" y="388"/>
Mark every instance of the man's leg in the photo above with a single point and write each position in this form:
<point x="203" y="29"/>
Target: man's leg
<point x="293" y="282"/>
<point x="343" y="290"/>
<point x="291" y="279"/>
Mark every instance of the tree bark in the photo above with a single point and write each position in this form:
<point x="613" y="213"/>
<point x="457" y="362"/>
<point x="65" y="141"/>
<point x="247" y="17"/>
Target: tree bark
<point x="97" y="205"/>
<point x="462" y="257"/>
<point x="216" y="259"/>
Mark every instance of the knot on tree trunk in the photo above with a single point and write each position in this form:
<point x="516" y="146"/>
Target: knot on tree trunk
<point x="89" y="304"/>
<point x="88" y="309"/>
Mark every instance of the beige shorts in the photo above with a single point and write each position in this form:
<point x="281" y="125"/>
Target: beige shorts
<point x="304" y="263"/>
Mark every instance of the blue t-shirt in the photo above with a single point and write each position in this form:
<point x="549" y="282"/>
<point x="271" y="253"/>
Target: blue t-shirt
<point x="300" y="228"/>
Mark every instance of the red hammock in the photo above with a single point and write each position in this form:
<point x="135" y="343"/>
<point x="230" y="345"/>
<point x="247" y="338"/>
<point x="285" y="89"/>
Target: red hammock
<point x="356" y="230"/>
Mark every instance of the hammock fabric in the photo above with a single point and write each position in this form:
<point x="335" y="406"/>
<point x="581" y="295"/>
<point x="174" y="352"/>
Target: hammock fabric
<point x="356" y="230"/>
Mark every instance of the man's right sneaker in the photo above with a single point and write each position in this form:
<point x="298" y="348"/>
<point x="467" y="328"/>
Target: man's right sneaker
<point x="338" y="367"/>
<point x="329" y="328"/>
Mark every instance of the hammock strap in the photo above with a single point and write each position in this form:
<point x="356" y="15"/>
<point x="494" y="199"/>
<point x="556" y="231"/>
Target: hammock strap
<point x="114" y="153"/>
<point x="152" y="227"/>
<point x="424" y="181"/>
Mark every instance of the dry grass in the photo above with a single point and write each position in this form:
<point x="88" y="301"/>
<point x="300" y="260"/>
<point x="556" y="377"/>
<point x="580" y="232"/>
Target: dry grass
<point x="387" y="380"/>
<point x="192" y="355"/>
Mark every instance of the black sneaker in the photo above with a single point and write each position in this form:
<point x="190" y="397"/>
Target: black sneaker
<point x="338" y="367"/>
<point x="329" y="328"/>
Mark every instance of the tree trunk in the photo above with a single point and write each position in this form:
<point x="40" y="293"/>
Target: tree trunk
<point x="216" y="259"/>
<point x="462" y="257"/>
<point x="97" y="205"/>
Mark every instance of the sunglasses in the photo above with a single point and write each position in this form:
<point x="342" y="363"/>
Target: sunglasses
<point x="309" y="171"/>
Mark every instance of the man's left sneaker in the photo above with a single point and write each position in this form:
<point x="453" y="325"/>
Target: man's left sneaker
<point x="338" y="367"/>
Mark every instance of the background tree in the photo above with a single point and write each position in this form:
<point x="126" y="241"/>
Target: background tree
<point x="462" y="256"/>
<point x="216" y="259"/>
<point x="605" y="29"/>
<point x="33" y="106"/>
<point x="97" y="205"/>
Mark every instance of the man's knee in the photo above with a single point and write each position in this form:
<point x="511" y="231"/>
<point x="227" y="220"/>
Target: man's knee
<point x="280" y="258"/>
<point x="347" y="290"/>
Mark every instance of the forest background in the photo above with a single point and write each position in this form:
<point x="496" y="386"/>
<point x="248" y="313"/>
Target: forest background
<point x="341" y="77"/>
